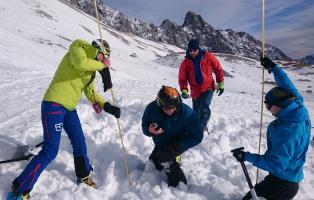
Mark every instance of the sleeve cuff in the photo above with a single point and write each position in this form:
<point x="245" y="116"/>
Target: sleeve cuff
<point x="275" y="69"/>
<point x="250" y="157"/>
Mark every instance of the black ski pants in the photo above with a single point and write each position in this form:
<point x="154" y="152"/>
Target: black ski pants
<point x="274" y="188"/>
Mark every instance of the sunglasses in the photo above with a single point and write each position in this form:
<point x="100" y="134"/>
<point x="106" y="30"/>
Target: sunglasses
<point x="268" y="107"/>
<point x="193" y="50"/>
<point x="169" y="108"/>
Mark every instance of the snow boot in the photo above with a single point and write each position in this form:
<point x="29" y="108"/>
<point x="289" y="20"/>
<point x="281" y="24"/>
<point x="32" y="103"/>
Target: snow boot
<point x="88" y="181"/>
<point x="14" y="195"/>
<point x="11" y="196"/>
<point x="174" y="173"/>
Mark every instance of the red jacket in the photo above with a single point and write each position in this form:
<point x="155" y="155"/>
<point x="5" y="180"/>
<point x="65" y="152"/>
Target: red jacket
<point x="209" y="64"/>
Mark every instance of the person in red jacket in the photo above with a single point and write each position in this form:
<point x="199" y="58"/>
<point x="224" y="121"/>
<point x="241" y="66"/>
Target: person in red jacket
<point x="196" y="70"/>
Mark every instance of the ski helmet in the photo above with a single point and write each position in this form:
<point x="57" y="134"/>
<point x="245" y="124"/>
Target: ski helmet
<point x="98" y="45"/>
<point x="168" y="97"/>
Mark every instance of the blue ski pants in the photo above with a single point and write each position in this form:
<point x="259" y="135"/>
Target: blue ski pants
<point x="201" y="107"/>
<point x="55" y="117"/>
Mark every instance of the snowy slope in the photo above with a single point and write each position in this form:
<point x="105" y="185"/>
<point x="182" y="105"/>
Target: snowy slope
<point x="35" y="35"/>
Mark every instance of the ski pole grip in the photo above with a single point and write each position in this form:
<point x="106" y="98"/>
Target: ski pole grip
<point x="237" y="149"/>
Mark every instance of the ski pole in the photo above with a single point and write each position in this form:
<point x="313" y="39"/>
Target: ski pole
<point x="247" y="176"/>
<point x="17" y="159"/>
<point x="113" y="101"/>
<point x="25" y="156"/>
<point x="37" y="145"/>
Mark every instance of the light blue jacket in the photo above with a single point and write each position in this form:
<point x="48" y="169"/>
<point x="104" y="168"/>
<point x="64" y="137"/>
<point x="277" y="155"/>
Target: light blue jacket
<point x="288" y="137"/>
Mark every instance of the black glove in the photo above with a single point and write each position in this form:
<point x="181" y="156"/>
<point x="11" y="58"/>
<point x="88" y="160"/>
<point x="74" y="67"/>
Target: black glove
<point x="106" y="78"/>
<point x="239" y="155"/>
<point x="113" y="110"/>
<point x="220" y="91"/>
<point x="168" y="153"/>
<point x="267" y="63"/>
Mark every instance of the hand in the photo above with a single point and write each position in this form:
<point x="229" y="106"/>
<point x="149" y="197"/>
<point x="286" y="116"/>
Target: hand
<point x="239" y="155"/>
<point x="97" y="107"/>
<point x="165" y="154"/>
<point x="155" y="129"/>
<point x="267" y="63"/>
<point x="113" y="110"/>
<point x="220" y="88"/>
<point x="106" y="62"/>
<point x="185" y="94"/>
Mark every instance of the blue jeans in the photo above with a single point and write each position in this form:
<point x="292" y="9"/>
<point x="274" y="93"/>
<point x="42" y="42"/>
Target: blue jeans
<point x="201" y="107"/>
<point x="55" y="117"/>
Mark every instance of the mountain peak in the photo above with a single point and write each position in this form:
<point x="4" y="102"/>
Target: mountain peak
<point x="309" y="59"/>
<point x="195" y="21"/>
<point x="218" y="41"/>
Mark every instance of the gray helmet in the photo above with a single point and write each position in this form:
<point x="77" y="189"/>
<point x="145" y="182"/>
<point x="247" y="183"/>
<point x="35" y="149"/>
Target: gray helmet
<point x="98" y="45"/>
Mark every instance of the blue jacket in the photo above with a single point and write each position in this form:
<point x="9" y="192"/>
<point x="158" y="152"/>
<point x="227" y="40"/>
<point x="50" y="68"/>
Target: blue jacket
<point x="288" y="137"/>
<point x="181" y="128"/>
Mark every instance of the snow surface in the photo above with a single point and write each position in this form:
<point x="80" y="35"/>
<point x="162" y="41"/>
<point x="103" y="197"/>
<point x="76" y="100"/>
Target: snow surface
<point x="35" y="34"/>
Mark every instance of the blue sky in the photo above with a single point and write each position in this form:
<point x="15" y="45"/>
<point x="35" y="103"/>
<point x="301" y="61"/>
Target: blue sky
<point x="289" y="23"/>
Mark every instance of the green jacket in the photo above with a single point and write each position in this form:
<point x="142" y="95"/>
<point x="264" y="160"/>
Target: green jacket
<point x="74" y="75"/>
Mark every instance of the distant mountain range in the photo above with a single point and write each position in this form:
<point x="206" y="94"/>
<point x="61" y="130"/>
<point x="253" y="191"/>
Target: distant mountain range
<point x="218" y="41"/>
<point x="308" y="59"/>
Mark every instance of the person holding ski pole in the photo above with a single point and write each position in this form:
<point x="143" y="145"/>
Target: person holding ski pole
<point x="288" y="138"/>
<point x="174" y="129"/>
<point x="75" y="74"/>
<point x="196" y="70"/>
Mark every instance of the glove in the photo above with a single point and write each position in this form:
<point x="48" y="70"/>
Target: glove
<point x="220" y="88"/>
<point x="168" y="153"/>
<point x="185" y="94"/>
<point x="267" y="63"/>
<point x="106" y="78"/>
<point x="113" y="110"/>
<point x="239" y="155"/>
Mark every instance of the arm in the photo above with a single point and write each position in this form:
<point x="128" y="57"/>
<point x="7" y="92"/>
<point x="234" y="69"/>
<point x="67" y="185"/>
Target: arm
<point x="183" y="76"/>
<point x="81" y="62"/>
<point x="276" y="159"/>
<point x="92" y="95"/>
<point x="194" y="134"/>
<point x="146" y="121"/>
<point x="284" y="81"/>
<point x="217" y="68"/>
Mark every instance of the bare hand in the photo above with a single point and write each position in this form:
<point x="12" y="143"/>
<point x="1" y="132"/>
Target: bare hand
<point x="155" y="129"/>
<point x="106" y="62"/>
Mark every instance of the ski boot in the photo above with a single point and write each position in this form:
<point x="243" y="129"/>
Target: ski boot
<point x="174" y="173"/>
<point x="88" y="181"/>
<point x="11" y="196"/>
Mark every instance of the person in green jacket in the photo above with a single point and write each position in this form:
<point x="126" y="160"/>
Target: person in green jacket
<point x="74" y="75"/>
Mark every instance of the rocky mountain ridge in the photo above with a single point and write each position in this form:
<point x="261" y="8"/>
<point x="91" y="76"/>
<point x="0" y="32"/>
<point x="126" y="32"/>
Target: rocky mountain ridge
<point x="218" y="41"/>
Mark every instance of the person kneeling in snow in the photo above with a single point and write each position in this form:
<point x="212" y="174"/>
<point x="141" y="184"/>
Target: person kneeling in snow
<point x="288" y="139"/>
<point x="75" y="74"/>
<point x="174" y="129"/>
